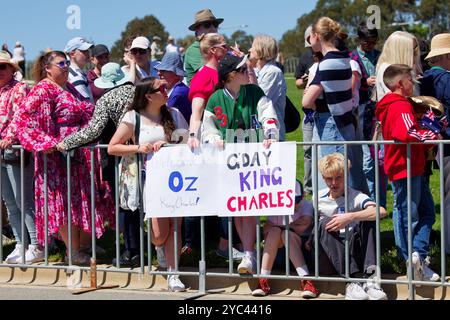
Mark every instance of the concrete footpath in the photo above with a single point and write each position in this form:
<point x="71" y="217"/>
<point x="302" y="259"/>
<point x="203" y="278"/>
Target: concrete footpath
<point x="53" y="284"/>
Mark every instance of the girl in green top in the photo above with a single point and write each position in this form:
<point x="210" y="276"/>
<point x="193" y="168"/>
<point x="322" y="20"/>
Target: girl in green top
<point x="240" y="112"/>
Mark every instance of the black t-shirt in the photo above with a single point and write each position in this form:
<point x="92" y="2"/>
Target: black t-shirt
<point x="305" y="62"/>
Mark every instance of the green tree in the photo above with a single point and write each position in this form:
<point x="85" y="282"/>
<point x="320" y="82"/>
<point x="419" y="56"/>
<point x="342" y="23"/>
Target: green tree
<point x="349" y="13"/>
<point x="242" y="39"/>
<point x="148" y="26"/>
<point x="436" y="14"/>
<point x="186" y="41"/>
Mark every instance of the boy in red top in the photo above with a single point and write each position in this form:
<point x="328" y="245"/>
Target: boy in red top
<point x="398" y="123"/>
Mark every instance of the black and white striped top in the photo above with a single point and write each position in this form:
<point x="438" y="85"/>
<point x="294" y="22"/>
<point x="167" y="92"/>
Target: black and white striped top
<point x="335" y="76"/>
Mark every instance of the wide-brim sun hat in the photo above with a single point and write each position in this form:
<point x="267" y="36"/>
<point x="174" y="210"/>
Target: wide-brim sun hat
<point x="112" y="76"/>
<point x="440" y="44"/>
<point x="204" y="15"/>
<point x="172" y="61"/>
<point x="5" y="58"/>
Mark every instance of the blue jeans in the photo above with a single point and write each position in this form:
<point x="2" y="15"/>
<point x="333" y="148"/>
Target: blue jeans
<point x="326" y="129"/>
<point x="422" y="215"/>
<point x="12" y="196"/>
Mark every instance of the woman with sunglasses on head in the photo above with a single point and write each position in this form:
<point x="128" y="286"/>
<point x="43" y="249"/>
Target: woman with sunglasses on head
<point x="51" y="112"/>
<point x="158" y="124"/>
<point x="238" y="106"/>
<point x="271" y="80"/>
<point x="213" y="48"/>
<point x="12" y="94"/>
<point x="300" y="224"/>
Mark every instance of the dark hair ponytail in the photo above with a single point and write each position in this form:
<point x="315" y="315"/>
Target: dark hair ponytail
<point x="42" y="62"/>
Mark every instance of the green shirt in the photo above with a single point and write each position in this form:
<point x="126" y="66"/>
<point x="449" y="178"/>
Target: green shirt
<point x="193" y="60"/>
<point x="237" y="114"/>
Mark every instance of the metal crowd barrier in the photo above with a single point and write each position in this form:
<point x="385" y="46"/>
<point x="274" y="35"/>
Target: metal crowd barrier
<point x="202" y="272"/>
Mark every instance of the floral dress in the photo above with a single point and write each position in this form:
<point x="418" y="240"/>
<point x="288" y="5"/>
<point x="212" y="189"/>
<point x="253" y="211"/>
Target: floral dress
<point x="47" y="116"/>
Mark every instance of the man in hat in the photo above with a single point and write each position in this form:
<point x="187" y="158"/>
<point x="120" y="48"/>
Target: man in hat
<point x="436" y="83"/>
<point x="78" y="51"/>
<point x="156" y="53"/>
<point x="205" y="22"/>
<point x="99" y="57"/>
<point x="171" y="47"/>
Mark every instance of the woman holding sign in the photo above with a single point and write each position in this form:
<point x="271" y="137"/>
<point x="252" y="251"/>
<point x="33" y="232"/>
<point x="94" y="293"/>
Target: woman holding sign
<point x="157" y="125"/>
<point x="242" y="108"/>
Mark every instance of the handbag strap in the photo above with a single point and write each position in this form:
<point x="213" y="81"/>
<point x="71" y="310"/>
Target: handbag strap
<point x="137" y="129"/>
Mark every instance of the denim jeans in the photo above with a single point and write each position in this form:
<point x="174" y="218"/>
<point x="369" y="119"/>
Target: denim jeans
<point x="326" y="129"/>
<point x="307" y="137"/>
<point x="12" y="196"/>
<point x="422" y="215"/>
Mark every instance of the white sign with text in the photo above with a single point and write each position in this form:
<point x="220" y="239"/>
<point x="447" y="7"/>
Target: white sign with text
<point x="244" y="179"/>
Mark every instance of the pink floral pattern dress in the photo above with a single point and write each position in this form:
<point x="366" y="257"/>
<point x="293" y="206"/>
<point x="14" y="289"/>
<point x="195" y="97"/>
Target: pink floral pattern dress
<point x="47" y="116"/>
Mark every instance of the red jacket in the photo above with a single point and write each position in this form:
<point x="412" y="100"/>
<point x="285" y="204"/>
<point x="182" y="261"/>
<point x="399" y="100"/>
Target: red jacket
<point x="398" y="124"/>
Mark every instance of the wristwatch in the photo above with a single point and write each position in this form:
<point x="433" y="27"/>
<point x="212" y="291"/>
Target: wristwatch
<point x="192" y="135"/>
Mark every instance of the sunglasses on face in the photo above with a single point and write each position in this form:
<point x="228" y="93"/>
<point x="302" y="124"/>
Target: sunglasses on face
<point x="207" y="25"/>
<point x="161" y="88"/>
<point x="3" y="67"/>
<point x="242" y="69"/>
<point x="136" y="51"/>
<point x="62" y="64"/>
<point x="369" y="42"/>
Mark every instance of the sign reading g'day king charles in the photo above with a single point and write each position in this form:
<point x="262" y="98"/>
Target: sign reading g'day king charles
<point x="244" y="179"/>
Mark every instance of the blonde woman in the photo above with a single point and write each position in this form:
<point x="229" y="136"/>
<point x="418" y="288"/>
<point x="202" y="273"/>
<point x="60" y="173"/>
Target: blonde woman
<point x="213" y="48"/>
<point x="400" y="48"/>
<point x="271" y="80"/>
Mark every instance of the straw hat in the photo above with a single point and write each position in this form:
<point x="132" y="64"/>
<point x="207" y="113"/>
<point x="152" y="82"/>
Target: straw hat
<point x="204" y="16"/>
<point x="440" y="44"/>
<point x="6" y="58"/>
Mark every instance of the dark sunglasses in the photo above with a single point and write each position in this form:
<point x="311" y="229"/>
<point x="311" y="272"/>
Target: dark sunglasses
<point x="369" y="42"/>
<point x="62" y="64"/>
<point x="161" y="88"/>
<point x="136" y="51"/>
<point x="242" y="69"/>
<point x="208" y="24"/>
<point x="3" y="67"/>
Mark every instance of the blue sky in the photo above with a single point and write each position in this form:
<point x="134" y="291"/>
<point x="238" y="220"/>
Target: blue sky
<point x="42" y="24"/>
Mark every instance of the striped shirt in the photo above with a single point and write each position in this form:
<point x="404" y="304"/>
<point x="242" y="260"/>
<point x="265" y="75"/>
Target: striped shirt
<point x="80" y="81"/>
<point x="335" y="76"/>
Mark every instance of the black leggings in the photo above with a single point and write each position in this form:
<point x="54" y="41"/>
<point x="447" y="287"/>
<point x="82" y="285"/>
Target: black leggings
<point x="130" y="220"/>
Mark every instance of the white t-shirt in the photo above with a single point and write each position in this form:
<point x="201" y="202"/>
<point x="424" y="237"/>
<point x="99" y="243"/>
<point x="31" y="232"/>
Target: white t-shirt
<point x="357" y="201"/>
<point x="154" y="133"/>
<point x="306" y="208"/>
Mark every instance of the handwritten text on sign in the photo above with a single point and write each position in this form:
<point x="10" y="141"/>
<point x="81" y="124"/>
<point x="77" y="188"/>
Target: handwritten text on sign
<point x="242" y="180"/>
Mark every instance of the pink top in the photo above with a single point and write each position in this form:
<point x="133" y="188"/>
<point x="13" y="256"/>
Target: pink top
<point x="203" y="83"/>
<point x="11" y="96"/>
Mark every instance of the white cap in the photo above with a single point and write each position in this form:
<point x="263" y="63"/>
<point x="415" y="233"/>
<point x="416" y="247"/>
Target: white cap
<point x="140" y="42"/>
<point x="307" y="35"/>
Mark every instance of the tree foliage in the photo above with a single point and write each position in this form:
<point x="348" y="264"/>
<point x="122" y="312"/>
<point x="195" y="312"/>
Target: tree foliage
<point x="242" y="39"/>
<point x="149" y="26"/>
<point x="349" y="13"/>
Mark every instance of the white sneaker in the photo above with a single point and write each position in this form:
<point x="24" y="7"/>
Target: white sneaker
<point x="15" y="256"/>
<point x="161" y="256"/>
<point x="246" y="265"/>
<point x="428" y="274"/>
<point x="374" y="291"/>
<point x="417" y="267"/>
<point x="34" y="254"/>
<point x="354" y="291"/>
<point x="174" y="284"/>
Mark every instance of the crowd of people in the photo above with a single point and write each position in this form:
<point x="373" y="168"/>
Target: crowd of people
<point x="162" y="95"/>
